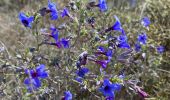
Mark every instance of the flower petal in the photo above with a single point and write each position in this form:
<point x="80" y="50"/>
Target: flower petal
<point x="37" y="82"/>
<point x="40" y="68"/>
<point x="22" y="16"/>
<point x="43" y="74"/>
<point x="31" y="19"/>
<point x="27" y="81"/>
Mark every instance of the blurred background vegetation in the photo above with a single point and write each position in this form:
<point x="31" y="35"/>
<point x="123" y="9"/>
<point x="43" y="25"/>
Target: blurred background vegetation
<point x="155" y="77"/>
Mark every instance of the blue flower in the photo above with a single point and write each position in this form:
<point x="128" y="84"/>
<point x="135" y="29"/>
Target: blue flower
<point x="145" y="21"/>
<point x="117" y="26"/>
<point x="79" y="79"/>
<point x="122" y="42"/>
<point x="137" y="47"/>
<point x="34" y="77"/>
<point x="64" y="13"/>
<point x="26" y="21"/>
<point x="108" y="88"/>
<point x="109" y="98"/>
<point x="82" y="72"/>
<point x="54" y="33"/>
<point x="53" y="10"/>
<point x="67" y="95"/>
<point x="101" y="48"/>
<point x="124" y="45"/>
<point x="102" y="5"/>
<point x="59" y="43"/>
<point x="65" y="42"/>
<point x="109" y="53"/>
<point x="142" y="38"/>
<point x="160" y="49"/>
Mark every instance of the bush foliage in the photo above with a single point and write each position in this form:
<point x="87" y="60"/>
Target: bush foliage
<point x="85" y="49"/>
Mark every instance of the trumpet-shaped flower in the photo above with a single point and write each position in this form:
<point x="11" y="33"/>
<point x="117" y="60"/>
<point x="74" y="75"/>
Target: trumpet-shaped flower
<point x="160" y="49"/>
<point x="122" y="42"/>
<point x="53" y="10"/>
<point x="65" y="42"/>
<point x="108" y="88"/>
<point x="26" y="21"/>
<point x="145" y="21"/>
<point x="64" y="13"/>
<point x="33" y="82"/>
<point x="117" y="25"/>
<point x="102" y="5"/>
<point x="142" y="38"/>
<point x="54" y="33"/>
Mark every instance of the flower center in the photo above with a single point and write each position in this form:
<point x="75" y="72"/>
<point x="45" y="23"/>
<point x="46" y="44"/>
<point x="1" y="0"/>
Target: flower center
<point x="107" y="88"/>
<point x="34" y="74"/>
<point x="25" y="22"/>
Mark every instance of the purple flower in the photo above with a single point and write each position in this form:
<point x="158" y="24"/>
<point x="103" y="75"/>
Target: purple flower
<point x="160" y="49"/>
<point x="142" y="38"/>
<point x="117" y="26"/>
<point x="103" y="63"/>
<point x="34" y="77"/>
<point x="145" y="21"/>
<point x="82" y="72"/>
<point x="26" y="21"/>
<point x="108" y="88"/>
<point x="53" y="10"/>
<point x="64" y="13"/>
<point x="67" y="95"/>
<point x="109" y="98"/>
<point x="59" y="43"/>
<point x="102" y="5"/>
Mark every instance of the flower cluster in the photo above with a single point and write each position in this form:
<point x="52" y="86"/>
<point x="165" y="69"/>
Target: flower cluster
<point x="62" y="42"/>
<point x="108" y="48"/>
